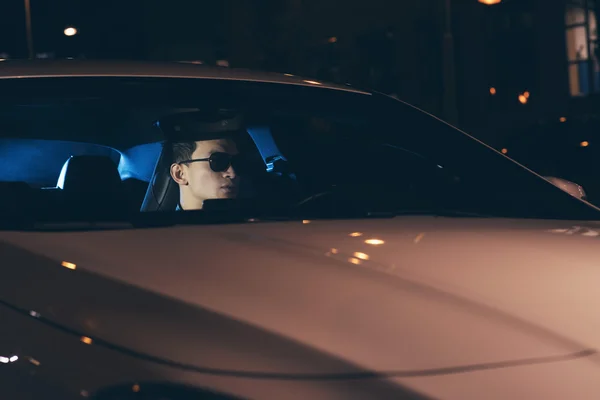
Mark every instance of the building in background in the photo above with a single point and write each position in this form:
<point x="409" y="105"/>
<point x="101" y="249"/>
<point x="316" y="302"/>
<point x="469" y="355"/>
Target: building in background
<point x="524" y="63"/>
<point x="582" y="47"/>
<point x="557" y="131"/>
<point x="583" y="55"/>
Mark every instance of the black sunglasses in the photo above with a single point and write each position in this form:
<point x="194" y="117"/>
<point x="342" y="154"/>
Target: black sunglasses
<point x="219" y="162"/>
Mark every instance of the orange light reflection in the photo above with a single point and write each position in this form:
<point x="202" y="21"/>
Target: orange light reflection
<point x="86" y="340"/>
<point x="374" y="242"/>
<point x="68" y="265"/>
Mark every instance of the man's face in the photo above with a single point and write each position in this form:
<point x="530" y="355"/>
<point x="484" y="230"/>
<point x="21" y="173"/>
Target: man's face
<point x="201" y="182"/>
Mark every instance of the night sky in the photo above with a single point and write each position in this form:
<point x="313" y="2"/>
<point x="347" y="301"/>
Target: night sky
<point x="167" y="29"/>
<point x="106" y="28"/>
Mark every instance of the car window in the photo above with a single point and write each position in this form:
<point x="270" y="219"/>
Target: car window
<point x="181" y="144"/>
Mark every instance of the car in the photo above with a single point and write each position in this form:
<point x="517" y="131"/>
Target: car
<point x="359" y="247"/>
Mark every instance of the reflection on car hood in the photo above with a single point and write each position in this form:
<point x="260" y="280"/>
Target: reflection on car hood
<point x="403" y="294"/>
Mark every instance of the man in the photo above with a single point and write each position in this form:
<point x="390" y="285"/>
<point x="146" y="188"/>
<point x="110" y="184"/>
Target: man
<point x="204" y="169"/>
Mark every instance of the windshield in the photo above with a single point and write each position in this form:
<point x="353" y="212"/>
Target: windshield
<point x="109" y="148"/>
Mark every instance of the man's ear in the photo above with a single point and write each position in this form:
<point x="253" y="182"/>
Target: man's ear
<point x="178" y="174"/>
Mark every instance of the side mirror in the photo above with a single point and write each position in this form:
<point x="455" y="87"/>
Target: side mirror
<point x="572" y="188"/>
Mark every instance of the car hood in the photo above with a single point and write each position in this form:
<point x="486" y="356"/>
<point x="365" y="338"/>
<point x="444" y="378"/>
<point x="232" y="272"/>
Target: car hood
<point x="405" y="294"/>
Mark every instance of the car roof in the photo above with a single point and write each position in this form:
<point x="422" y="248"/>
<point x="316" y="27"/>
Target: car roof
<point x="14" y="69"/>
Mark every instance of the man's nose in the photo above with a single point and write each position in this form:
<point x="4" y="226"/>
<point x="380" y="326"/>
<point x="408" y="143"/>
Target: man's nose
<point x="230" y="173"/>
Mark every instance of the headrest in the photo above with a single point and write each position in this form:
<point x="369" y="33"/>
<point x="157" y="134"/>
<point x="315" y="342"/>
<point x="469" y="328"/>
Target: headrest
<point x="201" y="125"/>
<point x="163" y="191"/>
<point x="95" y="174"/>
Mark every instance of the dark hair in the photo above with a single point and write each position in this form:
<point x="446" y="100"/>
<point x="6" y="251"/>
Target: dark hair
<point x="180" y="151"/>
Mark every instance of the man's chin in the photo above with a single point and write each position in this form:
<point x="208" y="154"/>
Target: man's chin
<point x="227" y="193"/>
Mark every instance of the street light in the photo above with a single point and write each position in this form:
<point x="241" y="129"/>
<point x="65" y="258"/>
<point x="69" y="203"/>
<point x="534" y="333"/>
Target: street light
<point x="490" y="2"/>
<point x="70" y="31"/>
<point x="28" y="28"/>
